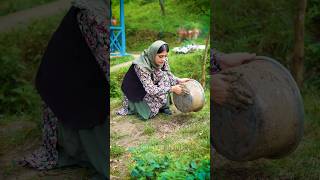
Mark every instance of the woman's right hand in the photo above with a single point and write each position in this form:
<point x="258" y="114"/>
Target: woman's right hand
<point x="223" y="91"/>
<point x="177" y="89"/>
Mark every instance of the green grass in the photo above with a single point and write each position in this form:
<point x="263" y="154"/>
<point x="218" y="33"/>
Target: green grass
<point x="148" y="129"/>
<point x="20" y="53"/>
<point x="144" y="22"/>
<point x="189" y="143"/>
<point x="119" y="60"/>
<point x="11" y="6"/>
<point x="116" y="150"/>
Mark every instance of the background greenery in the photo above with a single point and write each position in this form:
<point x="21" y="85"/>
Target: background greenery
<point x="144" y="22"/>
<point x="266" y="27"/>
<point x="11" y="6"/>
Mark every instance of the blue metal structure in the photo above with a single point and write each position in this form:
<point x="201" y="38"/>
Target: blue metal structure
<point x="118" y="35"/>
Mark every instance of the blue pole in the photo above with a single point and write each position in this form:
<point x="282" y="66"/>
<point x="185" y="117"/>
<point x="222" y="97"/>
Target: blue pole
<point x="123" y="33"/>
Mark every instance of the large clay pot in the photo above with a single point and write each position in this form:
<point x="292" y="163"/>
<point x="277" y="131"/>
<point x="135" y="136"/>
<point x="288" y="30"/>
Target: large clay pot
<point x="192" y="102"/>
<point x="272" y="126"/>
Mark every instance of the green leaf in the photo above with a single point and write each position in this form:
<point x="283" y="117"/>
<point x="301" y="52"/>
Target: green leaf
<point x="193" y="165"/>
<point x="135" y="173"/>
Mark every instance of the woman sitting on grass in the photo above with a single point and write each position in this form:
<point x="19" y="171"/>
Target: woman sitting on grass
<point x="148" y="82"/>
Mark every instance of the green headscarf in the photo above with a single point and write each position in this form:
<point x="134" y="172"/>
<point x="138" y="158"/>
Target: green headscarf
<point x="148" y="57"/>
<point x="98" y="8"/>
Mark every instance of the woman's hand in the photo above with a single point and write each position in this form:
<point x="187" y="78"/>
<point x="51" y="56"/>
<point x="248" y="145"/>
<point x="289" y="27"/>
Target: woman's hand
<point x="180" y="89"/>
<point x="220" y="86"/>
<point x="183" y="80"/>
<point x="235" y="59"/>
<point x="176" y="89"/>
<point x="225" y="92"/>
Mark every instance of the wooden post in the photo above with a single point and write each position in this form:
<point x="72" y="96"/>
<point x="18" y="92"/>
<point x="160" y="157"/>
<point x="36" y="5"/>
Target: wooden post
<point x="298" y="50"/>
<point x="203" y="69"/>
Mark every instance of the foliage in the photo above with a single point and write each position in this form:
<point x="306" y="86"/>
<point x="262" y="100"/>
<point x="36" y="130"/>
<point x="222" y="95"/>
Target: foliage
<point x="20" y="54"/>
<point x="11" y="6"/>
<point x="154" y="26"/>
<point x="119" y="60"/>
<point x="151" y="166"/>
<point x="266" y="28"/>
<point x="115" y="82"/>
<point x="116" y="150"/>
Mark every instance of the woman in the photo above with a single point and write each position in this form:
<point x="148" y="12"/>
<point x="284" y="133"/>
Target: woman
<point x="72" y="81"/>
<point x="148" y="82"/>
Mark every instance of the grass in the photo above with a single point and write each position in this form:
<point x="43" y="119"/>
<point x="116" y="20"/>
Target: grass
<point x="147" y="24"/>
<point x="119" y="60"/>
<point x="11" y="6"/>
<point x="116" y="151"/>
<point x="182" y="138"/>
<point x="189" y="143"/>
<point x="266" y="27"/>
<point x="21" y="51"/>
<point x="148" y="129"/>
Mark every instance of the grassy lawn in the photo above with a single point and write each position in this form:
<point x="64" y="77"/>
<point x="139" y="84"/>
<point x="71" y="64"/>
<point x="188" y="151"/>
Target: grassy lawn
<point x="144" y="22"/>
<point x="169" y="147"/>
<point x="11" y="6"/>
<point x="172" y="142"/>
<point x="119" y="60"/>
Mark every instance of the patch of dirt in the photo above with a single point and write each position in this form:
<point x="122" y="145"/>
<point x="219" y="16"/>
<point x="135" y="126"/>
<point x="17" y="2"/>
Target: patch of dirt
<point x="9" y="170"/>
<point x="132" y="133"/>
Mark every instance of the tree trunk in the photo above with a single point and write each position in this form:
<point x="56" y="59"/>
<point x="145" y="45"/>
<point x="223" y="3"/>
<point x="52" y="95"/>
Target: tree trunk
<point x="203" y="69"/>
<point x="162" y="7"/>
<point x="298" y="51"/>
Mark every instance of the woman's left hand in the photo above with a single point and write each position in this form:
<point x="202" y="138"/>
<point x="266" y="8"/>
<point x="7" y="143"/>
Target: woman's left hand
<point x="183" y="80"/>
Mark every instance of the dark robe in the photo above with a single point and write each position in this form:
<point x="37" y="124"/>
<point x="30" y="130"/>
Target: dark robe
<point x="132" y="86"/>
<point x="69" y="79"/>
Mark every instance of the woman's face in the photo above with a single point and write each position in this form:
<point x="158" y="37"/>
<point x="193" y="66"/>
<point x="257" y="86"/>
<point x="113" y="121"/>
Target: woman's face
<point x="161" y="58"/>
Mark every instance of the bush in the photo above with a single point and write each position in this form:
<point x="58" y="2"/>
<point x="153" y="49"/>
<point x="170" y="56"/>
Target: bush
<point x="20" y="54"/>
<point x="151" y="166"/>
<point x="115" y="82"/>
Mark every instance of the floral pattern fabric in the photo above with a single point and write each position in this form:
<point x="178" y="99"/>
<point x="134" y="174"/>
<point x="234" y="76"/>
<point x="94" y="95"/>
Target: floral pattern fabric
<point x="157" y="84"/>
<point x="214" y="61"/>
<point x="97" y="38"/>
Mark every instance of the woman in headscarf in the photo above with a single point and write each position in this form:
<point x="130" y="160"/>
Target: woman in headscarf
<point x="148" y="82"/>
<point x="72" y="81"/>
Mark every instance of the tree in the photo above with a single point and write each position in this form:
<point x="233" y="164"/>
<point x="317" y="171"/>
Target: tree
<point x="162" y="7"/>
<point x="298" y="50"/>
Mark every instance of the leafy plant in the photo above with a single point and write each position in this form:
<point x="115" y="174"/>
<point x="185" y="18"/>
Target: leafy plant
<point x="149" y="168"/>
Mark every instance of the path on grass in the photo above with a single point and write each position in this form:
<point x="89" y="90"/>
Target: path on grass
<point x="23" y="17"/>
<point x="119" y="66"/>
